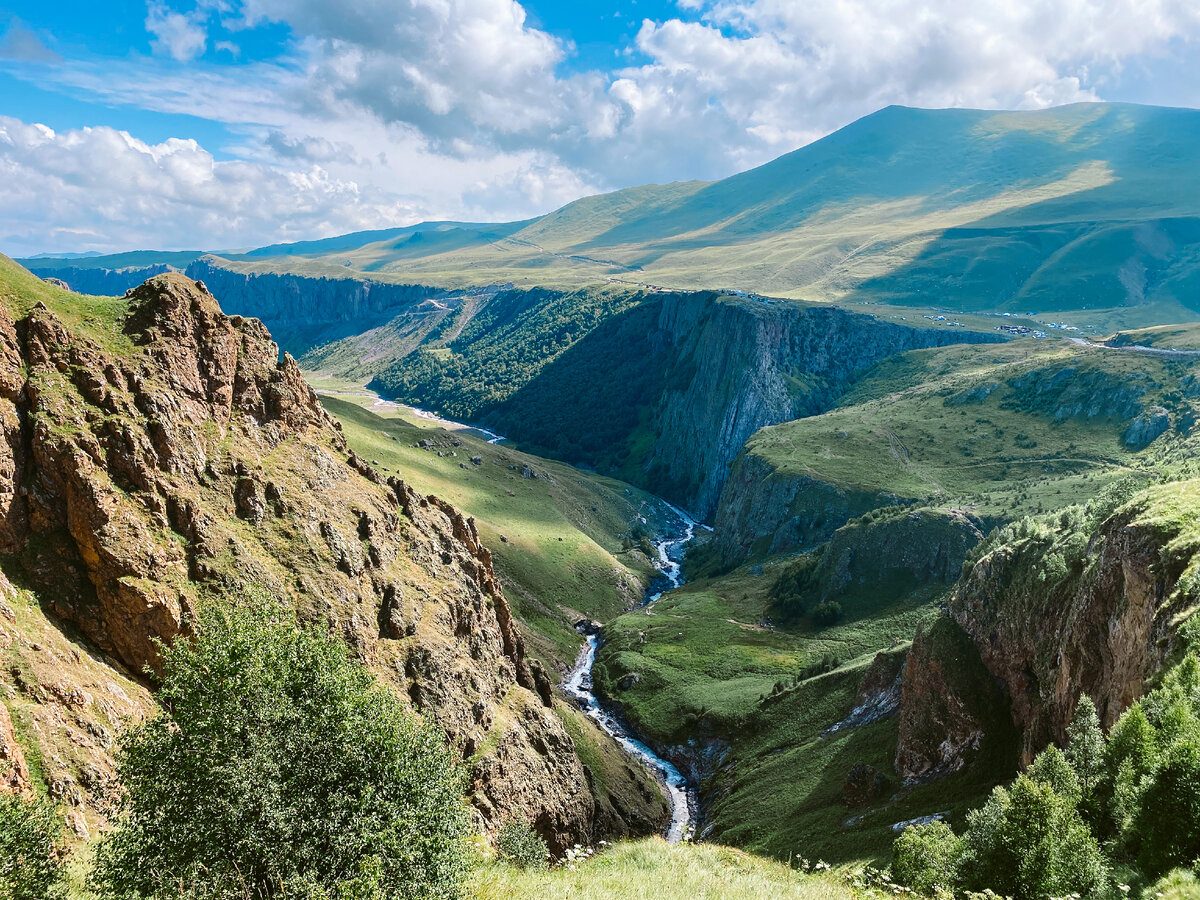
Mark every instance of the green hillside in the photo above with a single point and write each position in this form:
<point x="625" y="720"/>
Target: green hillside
<point x="1088" y="213"/>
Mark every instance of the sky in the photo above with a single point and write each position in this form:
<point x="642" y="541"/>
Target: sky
<point x="229" y="124"/>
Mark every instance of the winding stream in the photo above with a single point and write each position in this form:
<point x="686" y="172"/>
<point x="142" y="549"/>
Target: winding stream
<point x="578" y="685"/>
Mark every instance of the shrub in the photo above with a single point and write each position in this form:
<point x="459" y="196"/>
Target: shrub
<point x="827" y="612"/>
<point x="925" y="858"/>
<point x="277" y="768"/>
<point x="518" y="844"/>
<point x="1029" y="842"/>
<point x="29" y="864"/>
<point x="789" y="593"/>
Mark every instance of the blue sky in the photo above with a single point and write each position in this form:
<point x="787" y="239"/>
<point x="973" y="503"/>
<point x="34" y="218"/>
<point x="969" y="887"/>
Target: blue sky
<point x="235" y="123"/>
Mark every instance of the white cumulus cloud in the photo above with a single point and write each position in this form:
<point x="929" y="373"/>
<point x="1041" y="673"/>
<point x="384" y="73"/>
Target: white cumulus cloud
<point x="379" y="111"/>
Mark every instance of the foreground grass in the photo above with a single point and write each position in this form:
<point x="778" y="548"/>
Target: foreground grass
<point x="655" y="870"/>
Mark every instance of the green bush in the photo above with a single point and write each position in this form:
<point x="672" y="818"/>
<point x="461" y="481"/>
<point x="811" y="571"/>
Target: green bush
<point x="277" y="768"/>
<point x="1167" y="821"/>
<point x="925" y="858"/>
<point x="518" y="844"/>
<point x="1028" y="842"/>
<point x="827" y="612"/>
<point x="1179" y="884"/>
<point x="29" y="863"/>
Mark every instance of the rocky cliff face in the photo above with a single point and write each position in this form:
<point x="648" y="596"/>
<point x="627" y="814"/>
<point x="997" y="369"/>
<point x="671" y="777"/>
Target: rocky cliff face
<point x="739" y="365"/>
<point x="902" y="547"/>
<point x="765" y="511"/>
<point x="296" y="304"/>
<point x="1055" y="613"/>
<point x="100" y="282"/>
<point x="170" y="459"/>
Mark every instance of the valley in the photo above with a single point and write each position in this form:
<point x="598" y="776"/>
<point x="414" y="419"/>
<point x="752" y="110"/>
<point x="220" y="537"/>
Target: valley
<point x="716" y="529"/>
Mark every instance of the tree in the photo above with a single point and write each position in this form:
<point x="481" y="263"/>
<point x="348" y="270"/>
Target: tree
<point x="29" y="832"/>
<point x="1085" y="747"/>
<point x="1029" y="842"/>
<point x="926" y="857"/>
<point x="1168" y="818"/>
<point x="1051" y="768"/>
<point x="277" y="768"/>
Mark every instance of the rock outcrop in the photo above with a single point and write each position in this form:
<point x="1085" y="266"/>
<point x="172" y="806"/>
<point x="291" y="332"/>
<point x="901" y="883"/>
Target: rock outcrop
<point x="171" y="458"/>
<point x="896" y="549"/>
<point x="738" y="365"/>
<point x="1052" y="615"/>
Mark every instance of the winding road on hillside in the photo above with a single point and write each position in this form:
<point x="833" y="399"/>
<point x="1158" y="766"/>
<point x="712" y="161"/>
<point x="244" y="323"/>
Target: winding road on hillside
<point x="578" y="685"/>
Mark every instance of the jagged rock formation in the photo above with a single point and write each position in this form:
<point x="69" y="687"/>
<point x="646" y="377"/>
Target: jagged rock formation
<point x="170" y="459"/>
<point x="1050" y="616"/>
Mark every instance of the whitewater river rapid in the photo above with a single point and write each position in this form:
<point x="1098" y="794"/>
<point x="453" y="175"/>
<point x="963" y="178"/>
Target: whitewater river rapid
<point x="578" y="685"/>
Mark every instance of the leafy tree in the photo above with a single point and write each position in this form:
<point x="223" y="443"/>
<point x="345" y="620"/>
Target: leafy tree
<point x="1029" y="842"/>
<point x="1051" y="768"/>
<point x="827" y="612"/>
<point x="926" y="858"/>
<point x="29" y="832"/>
<point x="277" y="768"/>
<point x="1085" y="748"/>
<point x="1168" y="817"/>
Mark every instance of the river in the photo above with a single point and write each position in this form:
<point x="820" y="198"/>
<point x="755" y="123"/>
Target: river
<point x="578" y="685"/>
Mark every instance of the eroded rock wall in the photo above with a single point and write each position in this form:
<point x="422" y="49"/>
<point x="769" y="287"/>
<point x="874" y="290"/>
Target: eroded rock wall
<point x="177" y="460"/>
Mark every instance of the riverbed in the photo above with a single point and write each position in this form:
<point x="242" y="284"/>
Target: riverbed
<point x="578" y="685"/>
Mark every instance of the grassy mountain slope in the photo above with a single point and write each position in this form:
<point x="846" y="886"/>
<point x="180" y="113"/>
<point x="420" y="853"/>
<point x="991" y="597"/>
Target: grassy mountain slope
<point x="1087" y="212"/>
<point x="568" y="544"/>
<point x="1002" y="431"/>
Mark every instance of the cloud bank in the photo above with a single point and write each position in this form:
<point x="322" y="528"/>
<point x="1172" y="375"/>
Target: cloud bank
<point x="386" y="111"/>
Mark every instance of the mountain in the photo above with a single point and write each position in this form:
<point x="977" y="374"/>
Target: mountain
<point x="1072" y="210"/>
<point x="157" y="455"/>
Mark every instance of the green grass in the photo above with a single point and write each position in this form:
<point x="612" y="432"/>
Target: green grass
<point x="98" y="318"/>
<point x="654" y="870"/>
<point x="1004" y="430"/>
<point x="561" y="542"/>
<point x="712" y="676"/>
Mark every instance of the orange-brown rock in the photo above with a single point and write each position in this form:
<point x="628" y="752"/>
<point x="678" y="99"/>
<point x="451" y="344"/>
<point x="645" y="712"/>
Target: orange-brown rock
<point x="175" y="459"/>
<point x="14" y="771"/>
<point x="1047" y="630"/>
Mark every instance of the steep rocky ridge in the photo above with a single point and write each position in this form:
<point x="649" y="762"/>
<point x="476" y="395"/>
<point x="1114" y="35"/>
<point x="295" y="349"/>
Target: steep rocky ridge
<point x="1057" y="608"/>
<point x="165" y="457"/>
<point x="739" y="365"/>
<point x="1007" y="431"/>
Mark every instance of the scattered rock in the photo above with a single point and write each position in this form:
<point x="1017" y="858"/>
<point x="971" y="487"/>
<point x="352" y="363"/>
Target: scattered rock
<point x="863" y="784"/>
